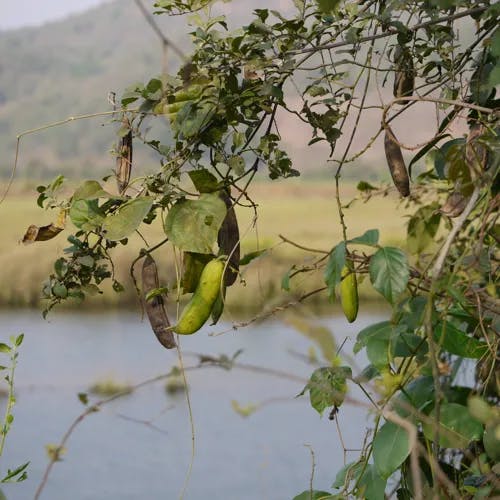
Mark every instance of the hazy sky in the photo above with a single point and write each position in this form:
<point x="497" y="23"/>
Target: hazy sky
<point x="17" y="13"/>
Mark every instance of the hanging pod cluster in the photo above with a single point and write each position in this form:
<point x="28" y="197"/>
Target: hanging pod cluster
<point x="219" y="273"/>
<point x="205" y="276"/>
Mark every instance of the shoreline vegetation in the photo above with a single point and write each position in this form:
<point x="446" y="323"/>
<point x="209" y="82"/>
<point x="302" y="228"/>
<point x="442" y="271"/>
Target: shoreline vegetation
<point x="302" y="212"/>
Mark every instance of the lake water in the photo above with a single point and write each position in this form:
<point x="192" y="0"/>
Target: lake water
<point x="113" y="456"/>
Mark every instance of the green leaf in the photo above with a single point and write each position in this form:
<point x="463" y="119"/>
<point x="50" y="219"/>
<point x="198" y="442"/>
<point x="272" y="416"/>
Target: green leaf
<point x="204" y="181"/>
<point x="369" y="238"/>
<point x="426" y="149"/>
<point x="364" y="186"/>
<point x="382" y="330"/>
<point x="378" y="352"/>
<point x="491" y="440"/>
<point x="91" y="190"/>
<point x="60" y="290"/>
<point x="193" y="225"/>
<point x="237" y="164"/>
<point x="347" y="474"/>
<point x="83" y="397"/>
<point x="247" y="258"/>
<point x="437" y="157"/>
<point x="285" y="280"/>
<point x="369" y="372"/>
<point x="4" y="348"/>
<point x="457" y="426"/>
<point x="389" y="272"/>
<point x="16" y="475"/>
<point x="327" y="387"/>
<point x="333" y="271"/>
<point x="457" y="342"/>
<point x="313" y="495"/>
<point x="86" y="214"/>
<point x="418" y="394"/>
<point x="391" y="446"/>
<point x="371" y="486"/>
<point x="422" y="228"/>
<point x="126" y="219"/>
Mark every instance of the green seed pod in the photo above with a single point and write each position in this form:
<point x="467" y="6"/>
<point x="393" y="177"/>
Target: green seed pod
<point x="349" y="294"/>
<point x="198" y="310"/>
<point x="396" y="163"/>
<point x="155" y="308"/>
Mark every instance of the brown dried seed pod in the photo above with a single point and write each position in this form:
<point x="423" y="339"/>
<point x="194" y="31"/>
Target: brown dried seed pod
<point x="396" y="163"/>
<point x="404" y="77"/>
<point x="155" y="308"/>
<point x="476" y="155"/>
<point x="124" y="159"/>
<point x="229" y="240"/>
<point x="454" y="205"/>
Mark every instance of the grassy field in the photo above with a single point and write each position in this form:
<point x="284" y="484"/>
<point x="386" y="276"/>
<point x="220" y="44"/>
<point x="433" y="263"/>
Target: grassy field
<point x="303" y="212"/>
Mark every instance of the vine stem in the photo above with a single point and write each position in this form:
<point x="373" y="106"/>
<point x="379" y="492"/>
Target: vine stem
<point x="52" y="125"/>
<point x="457" y="225"/>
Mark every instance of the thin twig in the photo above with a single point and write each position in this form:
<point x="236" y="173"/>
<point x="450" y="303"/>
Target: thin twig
<point x="457" y="225"/>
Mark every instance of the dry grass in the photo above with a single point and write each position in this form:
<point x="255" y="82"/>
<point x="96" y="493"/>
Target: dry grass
<point x="303" y="212"/>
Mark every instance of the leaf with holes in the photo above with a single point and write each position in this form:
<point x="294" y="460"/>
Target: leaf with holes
<point x="193" y="225"/>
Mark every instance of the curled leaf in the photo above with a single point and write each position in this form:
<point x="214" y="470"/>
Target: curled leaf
<point x="454" y="205"/>
<point x="44" y="233"/>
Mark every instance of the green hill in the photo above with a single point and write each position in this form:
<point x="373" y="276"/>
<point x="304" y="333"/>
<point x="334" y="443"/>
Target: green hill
<point x="67" y="68"/>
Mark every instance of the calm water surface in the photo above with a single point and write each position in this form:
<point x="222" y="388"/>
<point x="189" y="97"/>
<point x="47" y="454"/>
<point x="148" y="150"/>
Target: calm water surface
<point x="112" y="455"/>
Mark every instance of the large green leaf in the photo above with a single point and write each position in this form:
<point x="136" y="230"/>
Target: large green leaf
<point x="86" y="214"/>
<point x="333" y="271"/>
<point x="389" y="272"/>
<point x="126" y="219"/>
<point x="204" y="181"/>
<point x="457" y="342"/>
<point x="327" y="387"/>
<point x="391" y="446"/>
<point x="193" y="225"/>
<point x="371" y="486"/>
<point x="382" y="330"/>
<point x="91" y="190"/>
<point x="457" y="426"/>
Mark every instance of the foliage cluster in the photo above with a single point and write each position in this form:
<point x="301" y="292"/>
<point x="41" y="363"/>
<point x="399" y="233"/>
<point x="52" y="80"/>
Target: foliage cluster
<point x="433" y="375"/>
